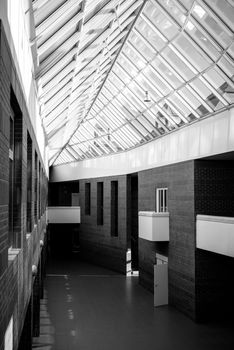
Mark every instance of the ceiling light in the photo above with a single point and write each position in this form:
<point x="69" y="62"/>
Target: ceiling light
<point x="147" y="99"/>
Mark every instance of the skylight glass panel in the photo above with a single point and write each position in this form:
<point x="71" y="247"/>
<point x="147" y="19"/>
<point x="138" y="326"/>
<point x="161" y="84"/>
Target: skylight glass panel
<point x="182" y="107"/>
<point x="157" y="80"/>
<point x="150" y="35"/>
<point x="164" y="23"/>
<point x="128" y="66"/>
<point x="215" y="27"/>
<point x="134" y="56"/>
<point x="174" y="9"/>
<point x="141" y="46"/>
<point x="167" y="73"/>
<point x="199" y="60"/>
<point x="203" y="40"/>
<point x="193" y="101"/>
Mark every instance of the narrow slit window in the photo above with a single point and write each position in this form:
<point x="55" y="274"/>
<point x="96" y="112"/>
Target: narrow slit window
<point x="100" y="203"/>
<point x="29" y="183"/>
<point x="11" y="182"/>
<point x="35" y="188"/>
<point x="87" y="198"/>
<point x="161" y="200"/>
<point x="114" y="208"/>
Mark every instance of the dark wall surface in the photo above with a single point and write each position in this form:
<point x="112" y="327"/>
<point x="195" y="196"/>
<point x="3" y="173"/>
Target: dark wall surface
<point x="60" y="193"/>
<point x="179" y="179"/>
<point x="214" y="195"/>
<point x="96" y="242"/>
<point x="16" y="264"/>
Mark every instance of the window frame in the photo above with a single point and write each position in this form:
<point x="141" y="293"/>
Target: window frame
<point x="161" y="194"/>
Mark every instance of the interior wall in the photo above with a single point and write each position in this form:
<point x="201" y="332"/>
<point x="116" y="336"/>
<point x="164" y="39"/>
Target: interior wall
<point x="179" y="179"/>
<point x="96" y="242"/>
<point x="16" y="263"/>
<point x="214" y="195"/>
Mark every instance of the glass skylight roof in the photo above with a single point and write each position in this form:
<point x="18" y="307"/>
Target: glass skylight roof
<point x="175" y="67"/>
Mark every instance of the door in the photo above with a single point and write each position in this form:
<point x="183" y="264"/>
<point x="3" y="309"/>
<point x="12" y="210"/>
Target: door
<point x="161" y="284"/>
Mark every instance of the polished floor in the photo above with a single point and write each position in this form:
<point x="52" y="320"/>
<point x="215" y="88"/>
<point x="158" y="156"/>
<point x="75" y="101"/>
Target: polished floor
<point x="86" y="307"/>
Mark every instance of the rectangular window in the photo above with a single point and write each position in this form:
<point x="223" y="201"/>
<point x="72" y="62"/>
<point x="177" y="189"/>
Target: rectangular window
<point x="87" y="198"/>
<point x="29" y="183"/>
<point x="35" y="188"/>
<point x="161" y="200"/>
<point x="100" y="203"/>
<point x="39" y="191"/>
<point x="11" y="182"/>
<point x="114" y="208"/>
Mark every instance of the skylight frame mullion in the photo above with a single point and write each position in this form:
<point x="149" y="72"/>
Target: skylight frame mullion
<point x="55" y="16"/>
<point x="55" y="99"/>
<point x="119" y="134"/>
<point x="72" y="150"/>
<point x="212" y="13"/>
<point x="58" y="53"/>
<point x="57" y="68"/>
<point x="166" y="13"/>
<point x="141" y="103"/>
<point x="58" y="78"/>
<point x="60" y="33"/>
<point x="131" y="137"/>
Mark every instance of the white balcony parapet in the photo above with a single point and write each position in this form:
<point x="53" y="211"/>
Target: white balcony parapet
<point x="153" y="226"/>
<point x="216" y="234"/>
<point x="64" y="215"/>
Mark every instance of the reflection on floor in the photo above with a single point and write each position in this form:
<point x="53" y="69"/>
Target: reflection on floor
<point x="86" y="307"/>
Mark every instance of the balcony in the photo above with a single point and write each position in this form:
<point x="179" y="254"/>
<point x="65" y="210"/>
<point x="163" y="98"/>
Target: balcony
<point x="153" y="226"/>
<point x="63" y="215"/>
<point x="216" y="234"/>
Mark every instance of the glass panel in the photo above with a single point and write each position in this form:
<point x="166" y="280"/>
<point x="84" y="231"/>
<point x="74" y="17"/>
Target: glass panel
<point x="177" y="12"/>
<point x="145" y="84"/>
<point x="161" y="21"/>
<point x="196" y="58"/>
<point x="203" y="40"/>
<point x="150" y="35"/>
<point x="193" y="101"/>
<point x="171" y="113"/>
<point x="136" y="58"/>
<point x="213" y="26"/>
<point x="160" y="85"/>
<point x="178" y="63"/>
<point x="227" y="66"/>
<point x="139" y="44"/>
<point x="167" y="73"/>
<point x="130" y="68"/>
<point x="182" y="108"/>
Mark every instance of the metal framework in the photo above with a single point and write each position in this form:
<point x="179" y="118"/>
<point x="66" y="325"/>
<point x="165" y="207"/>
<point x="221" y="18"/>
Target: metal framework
<point x="98" y="58"/>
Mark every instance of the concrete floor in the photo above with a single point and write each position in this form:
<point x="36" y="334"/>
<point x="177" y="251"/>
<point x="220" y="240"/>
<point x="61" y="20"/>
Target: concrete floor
<point x="87" y="307"/>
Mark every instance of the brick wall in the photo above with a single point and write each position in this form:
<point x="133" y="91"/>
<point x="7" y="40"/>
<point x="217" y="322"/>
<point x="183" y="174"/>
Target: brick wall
<point x="15" y="265"/>
<point x="214" y="195"/>
<point x="179" y="179"/>
<point x="97" y="243"/>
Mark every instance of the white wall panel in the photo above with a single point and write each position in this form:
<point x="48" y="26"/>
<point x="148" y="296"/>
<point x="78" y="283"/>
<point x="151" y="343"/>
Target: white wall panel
<point x="216" y="234"/>
<point x="211" y="136"/>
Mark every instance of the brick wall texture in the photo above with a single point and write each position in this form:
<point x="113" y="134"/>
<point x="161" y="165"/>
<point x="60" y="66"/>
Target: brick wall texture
<point x="179" y="179"/>
<point x="16" y="265"/>
<point x="97" y="243"/>
<point x="214" y="195"/>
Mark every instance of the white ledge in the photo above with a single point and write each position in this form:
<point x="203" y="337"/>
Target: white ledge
<point x="215" y="234"/>
<point x="153" y="214"/>
<point x="224" y="219"/>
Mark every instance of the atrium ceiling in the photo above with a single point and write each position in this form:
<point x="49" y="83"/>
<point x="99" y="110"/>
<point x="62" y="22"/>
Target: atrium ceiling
<point x="115" y="74"/>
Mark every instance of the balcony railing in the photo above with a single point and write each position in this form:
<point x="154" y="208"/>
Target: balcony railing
<point x="216" y="234"/>
<point x="154" y="226"/>
<point x="63" y="215"/>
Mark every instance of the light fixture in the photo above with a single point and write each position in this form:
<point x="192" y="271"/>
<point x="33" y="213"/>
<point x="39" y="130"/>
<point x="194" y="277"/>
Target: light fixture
<point x="147" y="99"/>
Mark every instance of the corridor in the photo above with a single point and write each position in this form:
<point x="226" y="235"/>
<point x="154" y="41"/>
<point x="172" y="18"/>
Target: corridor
<point x="86" y="307"/>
